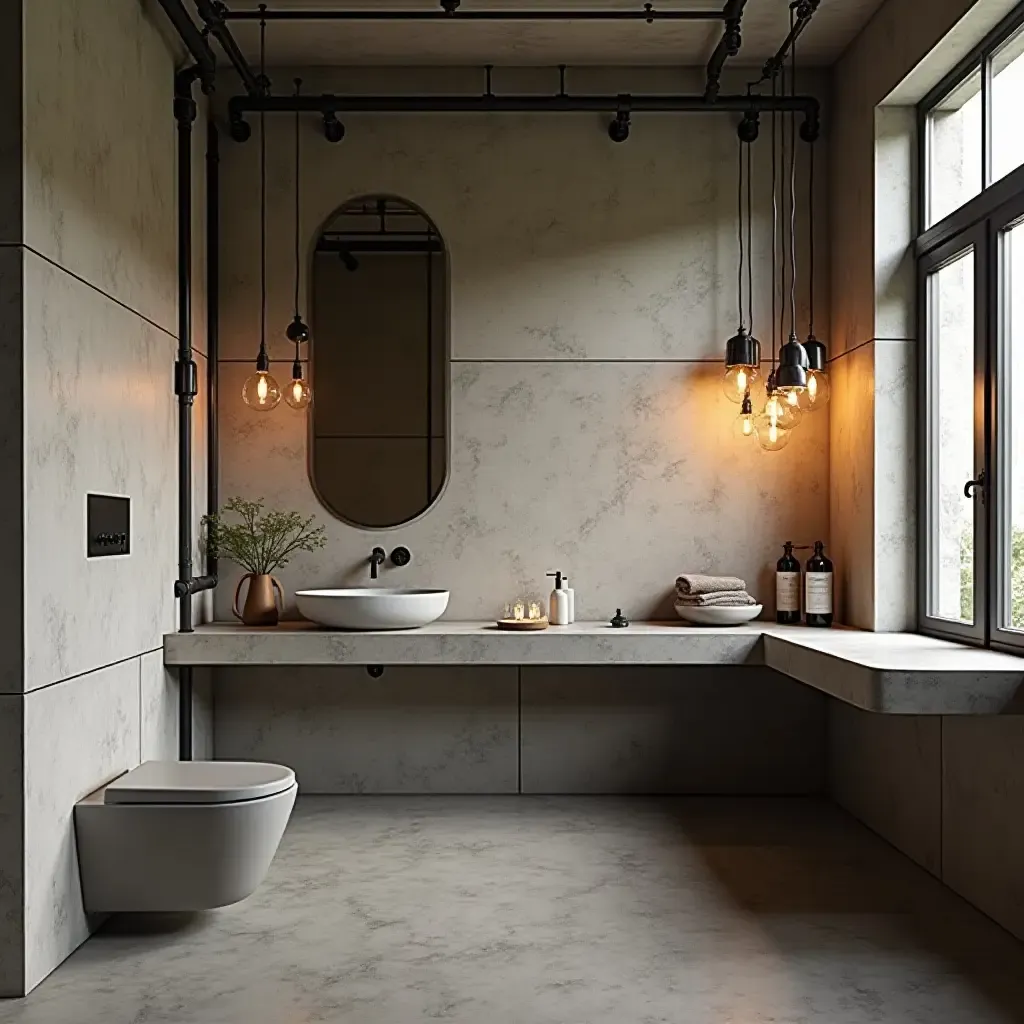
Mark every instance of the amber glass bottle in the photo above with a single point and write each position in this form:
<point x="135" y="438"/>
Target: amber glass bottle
<point x="818" y="588"/>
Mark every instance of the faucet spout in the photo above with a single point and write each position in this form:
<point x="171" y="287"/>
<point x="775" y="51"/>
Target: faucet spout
<point x="377" y="557"/>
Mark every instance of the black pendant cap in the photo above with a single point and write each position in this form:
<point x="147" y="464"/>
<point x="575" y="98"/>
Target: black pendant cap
<point x="791" y="377"/>
<point x="817" y="357"/>
<point x="742" y="349"/>
<point x="262" y="361"/>
<point x="793" y="354"/>
<point x="297" y="330"/>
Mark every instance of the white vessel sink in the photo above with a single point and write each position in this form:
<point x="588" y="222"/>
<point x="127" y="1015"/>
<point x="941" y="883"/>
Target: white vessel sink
<point x="372" y="607"/>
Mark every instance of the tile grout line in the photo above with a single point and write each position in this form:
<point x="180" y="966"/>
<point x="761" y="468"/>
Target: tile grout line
<point x="96" y="288"/>
<point x="87" y="672"/>
<point x="871" y="341"/>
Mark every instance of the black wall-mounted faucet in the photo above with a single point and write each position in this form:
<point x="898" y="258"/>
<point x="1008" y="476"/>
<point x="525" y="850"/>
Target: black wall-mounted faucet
<point x="377" y="557"/>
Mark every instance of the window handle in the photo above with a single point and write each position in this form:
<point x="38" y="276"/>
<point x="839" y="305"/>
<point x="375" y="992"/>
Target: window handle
<point x="977" y="484"/>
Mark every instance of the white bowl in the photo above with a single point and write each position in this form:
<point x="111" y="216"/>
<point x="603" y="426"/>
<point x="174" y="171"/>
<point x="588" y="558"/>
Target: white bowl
<point x="371" y="608"/>
<point x="718" y="616"/>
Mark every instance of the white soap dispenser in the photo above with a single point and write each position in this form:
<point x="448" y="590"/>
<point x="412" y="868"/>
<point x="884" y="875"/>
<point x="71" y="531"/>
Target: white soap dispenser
<point x="572" y="600"/>
<point x="558" y="604"/>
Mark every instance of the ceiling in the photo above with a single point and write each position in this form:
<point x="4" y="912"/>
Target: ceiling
<point x="451" y="42"/>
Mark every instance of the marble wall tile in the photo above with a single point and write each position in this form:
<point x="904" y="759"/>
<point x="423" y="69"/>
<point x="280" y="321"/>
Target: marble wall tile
<point x="983" y="815"/>
<point x="101" y="419"/>
<point x="158" y="709"/>
<point x="556" y="249"/>
<point x="11" y="123"/>
<point x="621" y="475"/>
<point x="202" y="714"/>
<point x="895" y="487"/>
<point x="99" y="149"/>
<point x="886" y="771"/>
<point x="78" y="734"/>
<point x="851" y="485"/>
<point x="12" y="846"/>
<point x="419" y="730"/>
<point x="12" y="460"/>
<point x="670" y="730"/>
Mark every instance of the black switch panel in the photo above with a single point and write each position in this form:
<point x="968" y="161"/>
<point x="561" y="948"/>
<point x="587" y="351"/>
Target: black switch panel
<point x="108" y="525"/>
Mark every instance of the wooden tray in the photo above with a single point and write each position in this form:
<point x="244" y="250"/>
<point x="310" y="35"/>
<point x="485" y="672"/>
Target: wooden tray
<point x="522" y="625"/>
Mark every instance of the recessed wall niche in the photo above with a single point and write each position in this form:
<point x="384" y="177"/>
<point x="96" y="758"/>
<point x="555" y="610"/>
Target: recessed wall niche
<point x="379" y="352"/>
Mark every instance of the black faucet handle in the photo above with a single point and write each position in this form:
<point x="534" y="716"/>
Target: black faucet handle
<point x="401" y="556"/>
<point x="377" y="556"/>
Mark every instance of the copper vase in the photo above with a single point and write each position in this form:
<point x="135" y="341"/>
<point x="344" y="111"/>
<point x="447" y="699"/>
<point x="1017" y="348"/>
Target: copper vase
<point x="260" y="608"/>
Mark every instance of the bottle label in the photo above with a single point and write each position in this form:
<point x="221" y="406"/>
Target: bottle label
<point x="787" y="591"/>
<point x="818" y="593"/>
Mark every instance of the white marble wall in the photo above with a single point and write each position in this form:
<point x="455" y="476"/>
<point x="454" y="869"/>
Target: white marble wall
<point x="92" y="247"/>
<point x="592" y="290"/>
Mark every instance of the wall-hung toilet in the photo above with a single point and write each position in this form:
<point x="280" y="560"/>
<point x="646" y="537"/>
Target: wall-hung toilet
<point x="181" y="835"/>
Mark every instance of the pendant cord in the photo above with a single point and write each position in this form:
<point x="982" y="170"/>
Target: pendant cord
<point x="298" y="90"/>
<point x="750" y="246"/>
<point x="739" y="226"/>
<point x="810" y="241"/>
<point x="792" y="191"/>
<point x="784" y="217"/>
<point x="263" y="189"/>
<point x="775" y="223"/>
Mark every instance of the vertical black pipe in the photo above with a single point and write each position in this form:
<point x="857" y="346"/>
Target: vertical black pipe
<point x="430" y="365"/>
<point x="212" y="323"/>
<point x="185" y="373"/>
<point x="185" y="713"/>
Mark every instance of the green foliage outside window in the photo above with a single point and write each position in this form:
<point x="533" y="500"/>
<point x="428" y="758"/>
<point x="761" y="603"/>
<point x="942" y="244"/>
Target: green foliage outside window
<point x="1016" y="577"/>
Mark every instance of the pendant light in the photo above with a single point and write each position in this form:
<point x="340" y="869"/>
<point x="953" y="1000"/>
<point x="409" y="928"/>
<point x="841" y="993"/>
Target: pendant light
<point x="791" y="380"/>
<point x="298" y="393"/>
<point x="742" y="350"/>
<point x="775" y="423"/>
<point x="819" y="387"/>
<point x="260" y="391"/>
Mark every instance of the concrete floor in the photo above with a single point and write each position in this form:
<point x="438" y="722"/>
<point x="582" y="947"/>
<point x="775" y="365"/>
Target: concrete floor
<point x="558" y="911"/>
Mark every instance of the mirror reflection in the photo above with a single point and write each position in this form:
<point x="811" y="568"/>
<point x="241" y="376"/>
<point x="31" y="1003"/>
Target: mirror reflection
<point x="379" y="350"/>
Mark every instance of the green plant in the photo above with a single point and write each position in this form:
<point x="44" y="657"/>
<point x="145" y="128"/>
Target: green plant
<point x="260" y="542"/>
<point x="1016" y="576"/>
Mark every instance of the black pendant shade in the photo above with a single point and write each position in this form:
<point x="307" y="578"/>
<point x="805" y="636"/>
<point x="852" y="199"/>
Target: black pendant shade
<point x="793" y="365"/>
<point x="742" y="349"/>
<point x="817" y="357"/>
<point x="297" y="330"/>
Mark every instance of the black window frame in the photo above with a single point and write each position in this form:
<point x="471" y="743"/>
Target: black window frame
<point x="979" y="223"/>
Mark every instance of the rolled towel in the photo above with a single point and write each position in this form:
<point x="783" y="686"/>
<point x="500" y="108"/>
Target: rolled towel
<point x="723" y="599"/>
<point x="694" y="583"/>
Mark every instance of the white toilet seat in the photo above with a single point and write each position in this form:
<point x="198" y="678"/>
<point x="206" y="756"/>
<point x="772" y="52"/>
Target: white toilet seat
<point x="198" y="782"/>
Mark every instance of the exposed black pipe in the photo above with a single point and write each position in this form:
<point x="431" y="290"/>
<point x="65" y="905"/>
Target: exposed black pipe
<point x="213" y="15"/>
<point x="728" y="46"/>
<point x="186" y="378"/>
<point x="648" y="14"/>
<point x="804" y="11"/>
<point x="328" y="104"/>
<point x="185" y="713"/>
<point x="194" y="40"/>
<point x="212" y="324"/>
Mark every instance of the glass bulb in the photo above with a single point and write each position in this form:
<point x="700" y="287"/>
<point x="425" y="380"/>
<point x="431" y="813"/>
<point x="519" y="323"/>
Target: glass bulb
<point x="818" y="389"/>
<point x="780" y="412"/>
<point x="737" y="381"/>
<point x="771" y="436"/>
<point x="298" y="393"/>
<point x="744" y="425"/>
<point x="260" y="391"/>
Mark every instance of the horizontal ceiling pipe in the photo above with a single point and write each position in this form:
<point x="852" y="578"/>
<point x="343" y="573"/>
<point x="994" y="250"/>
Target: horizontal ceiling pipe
<point x="728" y="46"/>
<point x="194" y="40"/>
<point x="460" y="15"/>
<point x="238" y="106"/>
<point x="772" y="66"/>
<point x="213" y="18"/>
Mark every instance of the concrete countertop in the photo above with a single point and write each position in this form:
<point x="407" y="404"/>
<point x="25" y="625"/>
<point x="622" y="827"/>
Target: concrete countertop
<point x="895" y="673"/>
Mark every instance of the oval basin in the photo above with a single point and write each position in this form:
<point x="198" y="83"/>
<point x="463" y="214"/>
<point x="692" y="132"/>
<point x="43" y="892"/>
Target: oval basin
<point x="370" y="608"/>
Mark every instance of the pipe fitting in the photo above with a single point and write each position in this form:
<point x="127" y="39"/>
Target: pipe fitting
<point x="334" y="130"/>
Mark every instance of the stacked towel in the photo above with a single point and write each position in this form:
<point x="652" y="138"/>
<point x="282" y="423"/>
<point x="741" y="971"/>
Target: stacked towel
<point x="697" y="591"/>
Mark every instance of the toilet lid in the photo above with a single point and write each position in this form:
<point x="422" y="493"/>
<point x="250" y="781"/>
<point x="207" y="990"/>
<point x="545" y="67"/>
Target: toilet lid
<point x="198" y="782"/>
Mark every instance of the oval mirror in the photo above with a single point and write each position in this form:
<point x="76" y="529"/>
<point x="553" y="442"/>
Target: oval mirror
<point x="379" y="352"/>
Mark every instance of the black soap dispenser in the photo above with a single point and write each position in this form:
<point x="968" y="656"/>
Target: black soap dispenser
<point x="787" y="587"/>
<point x="818" y="588"/>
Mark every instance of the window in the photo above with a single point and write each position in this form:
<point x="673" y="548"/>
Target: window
<point x="971" y="368"/>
